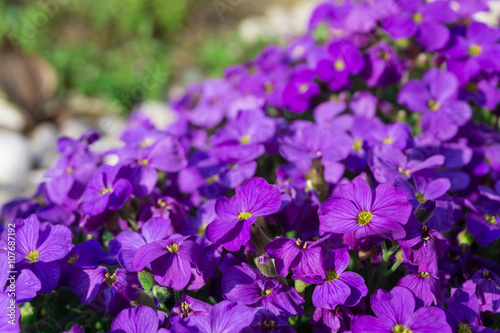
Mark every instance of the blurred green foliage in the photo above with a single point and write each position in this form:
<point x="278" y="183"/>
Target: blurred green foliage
<point x="109" y="49"/>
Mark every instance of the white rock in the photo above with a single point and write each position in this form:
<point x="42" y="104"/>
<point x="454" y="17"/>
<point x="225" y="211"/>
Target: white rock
<point x="43" y="142"/>
<point x="160" y="113"/>
<point x="491" y="17"/>
<point x="11" y="117"/>
<point x="15" y="164"/>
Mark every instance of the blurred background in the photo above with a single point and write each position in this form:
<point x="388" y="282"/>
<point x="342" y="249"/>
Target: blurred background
<point x="68" y="65"/>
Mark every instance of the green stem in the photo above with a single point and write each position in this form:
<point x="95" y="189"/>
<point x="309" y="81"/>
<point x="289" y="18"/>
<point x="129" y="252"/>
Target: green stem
<point x="177" y="295"/>
<point x="369" y="274"/>
<point x="159" y="308"/>
<point x="393" y="269"/>
<point x="386" y="255"/>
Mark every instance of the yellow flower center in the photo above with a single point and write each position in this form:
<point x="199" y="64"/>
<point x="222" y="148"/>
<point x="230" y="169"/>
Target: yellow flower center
<point x="244" y="216"/>
<point x="464" y="328"/>
<point x="268" y="87"/>
<point x="424" y="274"/>
<point x="185" y="308"/>
<point x="301" y="245"/>
<point x="266" y="292"/>
<point x="491" y="219"/>
<point x="174" y="248"/>
<point x="357" y="145"/>
<point x="364" y="217"/>
<point x="420" y="197"/>
<point x="331" y="275"/>
<point x="147" y="143"/>
<point x="69" y="170"/>
<point x="388" y="140"/>
<point x="433" y="105"/>
<point x="303" y="88"/>
<point x="267" y="323"/>
<point x="475" y="50"/>
<point x="143" y="162"/>
<point x="72" y="260"/>
<point x="401" y="329"/>
<point x="404" y="172"/>
<point x="106" y="190"/>
<point x="213" y="179"/>
<point x="245" y="139"/>
<point x="33" y="256"/>
<point x="417" y="18"/>
<point x="339" y="65"/>
<point x="110" y="279"/>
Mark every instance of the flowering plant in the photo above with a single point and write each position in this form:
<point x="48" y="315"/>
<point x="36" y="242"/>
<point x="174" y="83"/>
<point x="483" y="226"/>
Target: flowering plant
<point x="349" y="181"/>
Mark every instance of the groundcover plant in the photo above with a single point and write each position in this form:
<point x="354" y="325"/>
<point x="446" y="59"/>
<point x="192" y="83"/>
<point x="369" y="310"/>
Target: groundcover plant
<point x="349" y="181"/>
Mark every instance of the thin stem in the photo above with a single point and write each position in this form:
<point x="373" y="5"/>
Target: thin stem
<point x="177" y="295"/>
<point x="386" y="255"/>
<point x="370" y="274"/>
<point x="393" y="269"/>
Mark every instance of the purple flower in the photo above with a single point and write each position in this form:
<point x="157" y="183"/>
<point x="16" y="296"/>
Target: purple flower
<point x="382" y="66"/>
<point x="486" y="286"/>
<point x="225" y="317"/>
<point x="426" y="288"/>
<point x="26" y="283"/>
<point x="478" y="51"/>
<point x="463" y="312"/>
<point x="141" y="319"/>
<point x="335" y="285"/>
<point x="246" y="285"/>
<point x="436" y="97"/>
<point x="104" y="291"/>
<point x="354" y="208"/>
<point x="300" y="90"/>
<point x="266" y="321"/>
<point x="171" y="260"/>
<point x="253" y="198"/>
<point x="423" y="20"/>
<point x="189" y="306"/>
<point x="337" y="320"/>
<point x="388" y="164"/>
<point x="38" y="250"/>
<point x="396" y="313"/>
<point x="483" y="221"/>
<point x="125" y="244"/>
<point x="344" y="59"/>
<point x="105" y="191"/>
<point x="10" y="315"/>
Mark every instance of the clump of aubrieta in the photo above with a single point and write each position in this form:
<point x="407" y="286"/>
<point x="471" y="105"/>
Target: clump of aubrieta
<point x="346" y="182"/>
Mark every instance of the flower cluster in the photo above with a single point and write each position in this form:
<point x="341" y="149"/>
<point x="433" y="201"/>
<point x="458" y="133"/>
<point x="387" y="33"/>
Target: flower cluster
<point x="349" y="181"/>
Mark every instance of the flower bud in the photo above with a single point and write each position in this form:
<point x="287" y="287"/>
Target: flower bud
<point x="265" y="265"/>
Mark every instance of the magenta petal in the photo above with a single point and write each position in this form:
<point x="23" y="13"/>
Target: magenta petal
<point x="238" y="285"/>
<point x="5" y="326"/>
<point x="55" y="243"/>
<point x="141" y="319"/>
<point x="242" y="237"/>
<point x="391" y="204"/>
<point x="85" y="283"/>
<point x="172" y="271"/>
<point x="27" y="232"/>
<point x="357" y="286"/>
<point x="415" y="96"/>
<point x="258" y="197"/>
<point x="338" y="215"/>
<point x="48" y="274"/>
<point x="357" y="191"/>
<point x="121" y="192"/>
<point x="330" y="294"/>
<point x="435" y="321"/>
<point x="147" y="253"/>
<point x="369" y="324"/>
<point x="284" y="251"/>
<point x="433" y="36"/>
<point x="168" y="155"/>
<point x="27" y="285"/>
<point x="96" y="205"/>
<point x="226" y="208"/>
<point x="227" y="317"/>
<point x="220" y="230"/>
<point x="393" y="307"/>
<point x="124" y="246"/>
<point x="155" y="229"/>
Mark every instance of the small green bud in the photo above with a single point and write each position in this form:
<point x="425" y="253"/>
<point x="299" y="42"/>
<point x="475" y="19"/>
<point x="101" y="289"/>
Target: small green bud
<point x="160" y="293"/>
<point x="265" y="265"/>
<point x="146" y="278"/>
<point x="300" y="286"/>
<point x="465" y="237"/>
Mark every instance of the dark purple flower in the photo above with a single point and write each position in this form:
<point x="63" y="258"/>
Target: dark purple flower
<point x="104" y="291"/>
<point x="483" y="221"/>
<point x="486" y="286"/>
<point x="171" y="260"/>
<point x="382" y="66"/>
<point x="265" y="321"/>
<point x="463" y="313"/>
<point x="327" y="320"/>
<point x="335" y="285"/>
<point x="247" y="285"/>
<point x="354" y="208"/>
<point x="426" y="288"/>
<point x="188" y="306"/>
<point x="396" y="313"/>
<point x="225" y="317"/>
<point x="253" y="198"/>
